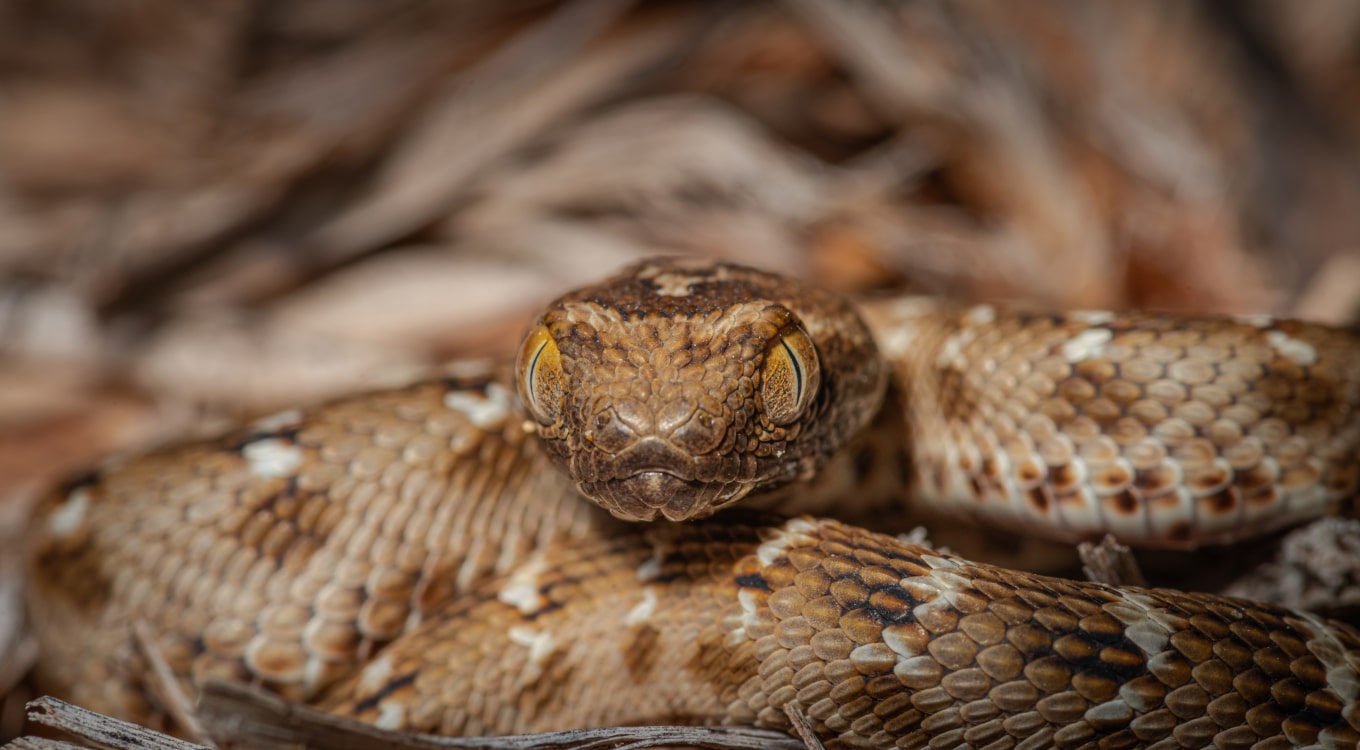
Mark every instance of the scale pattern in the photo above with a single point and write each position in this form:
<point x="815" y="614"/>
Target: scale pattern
<point x="381" y="529"/>
<point x="880" y="644"/>
<point x="1162" y="431"/>
<point x="289" y="551"/>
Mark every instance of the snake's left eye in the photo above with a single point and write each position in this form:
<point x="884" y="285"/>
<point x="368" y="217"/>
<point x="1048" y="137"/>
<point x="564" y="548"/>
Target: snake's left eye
<point x="790" y="378"/>
<point x="539" y="376"/>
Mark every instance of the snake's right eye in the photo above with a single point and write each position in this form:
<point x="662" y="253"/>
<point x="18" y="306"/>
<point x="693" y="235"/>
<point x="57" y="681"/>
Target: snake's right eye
<point x="539" y="371"/>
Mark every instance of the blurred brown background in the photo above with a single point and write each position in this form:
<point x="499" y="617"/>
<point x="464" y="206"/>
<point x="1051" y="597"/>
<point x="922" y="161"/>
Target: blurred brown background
<point x="210" y="210"/>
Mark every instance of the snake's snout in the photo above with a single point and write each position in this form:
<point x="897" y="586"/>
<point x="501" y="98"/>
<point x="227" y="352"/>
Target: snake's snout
<point x="656" y="493"/>
<point x="676" y="498"/>
<point x="676" y="388"/>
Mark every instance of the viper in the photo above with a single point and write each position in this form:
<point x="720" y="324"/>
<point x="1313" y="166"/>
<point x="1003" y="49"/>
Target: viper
<point x="625" y="527"/>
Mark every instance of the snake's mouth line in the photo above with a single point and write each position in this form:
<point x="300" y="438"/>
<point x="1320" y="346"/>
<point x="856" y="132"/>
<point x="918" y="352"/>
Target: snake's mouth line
<point x="653" y="492"/>
<point x="659" y="471"/>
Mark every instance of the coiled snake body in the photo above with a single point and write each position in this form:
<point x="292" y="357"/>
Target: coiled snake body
<point x="419" y="537"/>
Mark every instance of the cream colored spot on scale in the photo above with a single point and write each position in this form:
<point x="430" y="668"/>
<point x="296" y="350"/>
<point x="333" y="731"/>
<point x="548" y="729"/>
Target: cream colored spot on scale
<point x="674" y="284"/>
<point x="313" y="674"/>
<point x="1087" y="344"/>
<point x="893" y="639"/>
<point x="939" y="563"/>
<point x="1148" y="636"/>
<point x="521" y="589"/>
<point x="650" y="570"/>
<point x="952" y="582"/>
<point x="794" y="531"/>
<point x="903" y="332"/>
<point x="928" y="610"/>
<point x="482" y="410"/>
<point x="272" y="457"/>
<point x="68" y="518"/>
<point x="979" y="315"/>
<point x="413" y="619"/>
<point x="1296" y="349"/>
<point x="522" y="635"/>
<point x="677" y="283"/>
<point x="1256" y="320"/>
<point x="377" y="674"/>
<point x="644" y="609"/>
<point x="391" y="716"/>
<point x="747" y="599"/>
<point x="953" y="347"/>
<point x="279" y="421"/>
<point x="736" y="635"/>
<point x="1091" y="317"/>
<point x="539" y="642"/>
<point x="470" y="570"/>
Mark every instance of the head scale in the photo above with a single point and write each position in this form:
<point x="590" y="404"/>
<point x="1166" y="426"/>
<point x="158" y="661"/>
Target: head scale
<point x="680" y="386"/>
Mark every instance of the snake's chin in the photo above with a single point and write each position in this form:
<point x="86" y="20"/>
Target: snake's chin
<point x="652" y="494"/>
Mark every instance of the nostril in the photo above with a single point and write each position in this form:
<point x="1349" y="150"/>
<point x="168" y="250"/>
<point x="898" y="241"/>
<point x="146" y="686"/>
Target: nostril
<point x="607" y="432"/>
<point x="701" y="434"/>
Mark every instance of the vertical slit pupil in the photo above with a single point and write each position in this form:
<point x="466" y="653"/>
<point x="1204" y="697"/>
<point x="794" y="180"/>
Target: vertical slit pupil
<point x="533" y="370"/>
<point x="797" y="372"/>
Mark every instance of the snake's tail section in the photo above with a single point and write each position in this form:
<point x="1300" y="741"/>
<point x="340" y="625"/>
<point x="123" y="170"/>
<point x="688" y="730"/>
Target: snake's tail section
<point x="1164" y="431"/>
<point x="288" y="552"/>
<point x="880" y="644"/>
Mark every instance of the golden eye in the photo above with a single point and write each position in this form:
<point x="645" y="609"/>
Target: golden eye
<point x="790" y="378"/>
<point x="539" y="376"/>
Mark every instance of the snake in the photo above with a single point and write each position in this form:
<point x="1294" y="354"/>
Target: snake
<point x="635" y="522"/>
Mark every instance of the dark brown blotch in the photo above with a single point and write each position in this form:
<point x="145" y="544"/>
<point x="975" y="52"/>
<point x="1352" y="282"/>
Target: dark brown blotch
<point x="891" y="606"/>
<point x="640" y="649"/>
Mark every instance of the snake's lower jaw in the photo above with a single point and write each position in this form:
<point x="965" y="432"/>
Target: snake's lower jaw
<point x="652" y="494"/>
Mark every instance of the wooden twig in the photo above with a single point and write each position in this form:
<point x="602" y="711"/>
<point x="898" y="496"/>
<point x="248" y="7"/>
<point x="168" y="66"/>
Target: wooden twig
<point x="238" y="715"/>
<point x="95" y="730"/>
<point x="802" y="727"/>
<point x="164" y="683"/>
<point x="39" y="743"/>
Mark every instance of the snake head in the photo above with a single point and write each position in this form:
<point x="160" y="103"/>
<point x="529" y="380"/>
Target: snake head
<point x="680" y="386"/>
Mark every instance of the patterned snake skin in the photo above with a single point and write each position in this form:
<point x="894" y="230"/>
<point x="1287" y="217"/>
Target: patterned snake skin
<point x="425" y="522"/>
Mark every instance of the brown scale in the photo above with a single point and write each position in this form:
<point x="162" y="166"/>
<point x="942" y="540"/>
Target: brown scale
<point x="295" y="550"/>
<point x="879" y="643"/>
<point x="1162" y="431"/>
<point x="246" y="564"/>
